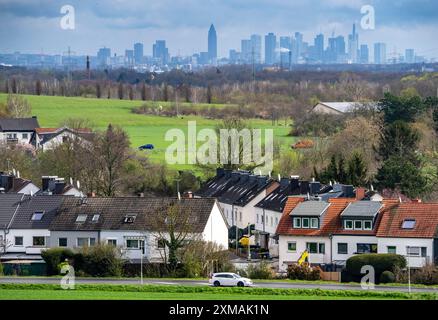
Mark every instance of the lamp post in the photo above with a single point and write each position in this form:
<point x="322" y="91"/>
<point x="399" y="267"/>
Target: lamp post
<point x="249" y="241"/>
<point x="409" y="272"/>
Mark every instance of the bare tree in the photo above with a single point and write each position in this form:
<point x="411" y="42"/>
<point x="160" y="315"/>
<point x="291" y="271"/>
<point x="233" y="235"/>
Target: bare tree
<point x="18" y="107"/>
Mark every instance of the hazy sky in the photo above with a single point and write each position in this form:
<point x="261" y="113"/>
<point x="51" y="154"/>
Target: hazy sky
<point x="34" y="25"/>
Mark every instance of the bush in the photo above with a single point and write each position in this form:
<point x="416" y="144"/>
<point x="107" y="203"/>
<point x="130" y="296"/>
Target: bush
<point x="303" y="272"/>
<point x="261" y="270"/>
<point x="1" y="269"/>
<point x="427" y="275"/>
<point x="387" y="277"/>
<point x="101" y="261"/>
<point x="53" y="257"/>
<point x="380" y="262"/>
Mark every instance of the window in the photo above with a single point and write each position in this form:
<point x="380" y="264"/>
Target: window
<point x="129" y="219"/>
<point x="276" y="221"/>
<point x="392" y="249"/>
<point x="24" y="136"/>
<point x="321" y="248"/>
<point x="357" y="224"/>
<point x="342" y="248"/>
<point x="348" y="224"/>
<point x="272" y="222"/>
<point x="84" y="242"/>
<point x="161" y="244"/>
<point x="416" y="251"/>
<point x="240" y="216"/>
<point x="367" y="225"/>
<point x="314" y="223"/>
<point x="39" y="241"/>
<point x="37" y="216"/>
<point x="95" y="218"/>
<point x="112" y="242"/>
<point x="292" y="246"/>
<point x="312" y="247"/>
<point x="18" y="241"/>
<point x="366" y="248"/>
<point x="297" y="223"/>
<point x="62" y="242"/>
<point x="65" y="139"/>
<point x="81" y="218"/>
<point x="408" y="224"/>
<point x="132" y="244"/>
<point x="305" y="222"/>
<point x="257" y="218"/>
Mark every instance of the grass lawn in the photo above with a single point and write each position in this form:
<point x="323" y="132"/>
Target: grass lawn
<point x="142" y="129"/>
<point x="162" y="292"/>
<point x="111" y="295"/>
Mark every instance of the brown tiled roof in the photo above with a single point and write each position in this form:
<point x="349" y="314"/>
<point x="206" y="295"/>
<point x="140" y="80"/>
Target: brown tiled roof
<point x="424" y="214"/>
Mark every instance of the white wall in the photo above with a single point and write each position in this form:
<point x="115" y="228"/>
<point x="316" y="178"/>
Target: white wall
<point x="216" y="229"/>
<point x="401" y="245"/>
<point x="73" y="192"/>
<point x="285" y="255"/>
<point x="320" y="108"/>
<point x="352" y="242"/>
<point x="57" y="140"/>
<point x="19" y="135"/>
<point x="29" y="189"/>
<point x="272" y="219"/>
<point x="27" y="235"/>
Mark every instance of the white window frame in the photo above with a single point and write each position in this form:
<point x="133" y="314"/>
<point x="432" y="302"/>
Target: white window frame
<point x="88" y="241"/>
<point x="290" y="242"/>
<point x="297" y="226"/>
<point x="361" y="224"/>
<point x="38" y="246"/>
<point x="312" y="220"/>
<point x="408" y="248"/>
<point x="308" y="223"/>
<point x="82" y="220"/>
<point x="108" y="240"/>
<point x="395" y="247"/>
<point x="367" y="221"/>
<point x="95" y="217"/>
<point x="345" y="224"/>
<point x="66" y="245"/>
<point x="15" y="241"/>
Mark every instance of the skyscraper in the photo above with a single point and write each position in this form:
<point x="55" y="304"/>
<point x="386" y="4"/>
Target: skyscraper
<point x="285" y="50"/>
<point x="353" y="46"/>
<point x="380" y="53"/>
<point x="364" y="54"/>
<point x="129" y="58"/>
<point x="103" y="56"/>
<point x="212" y="44"/>
<point x="246" y="49"/>
<point x="319" y="48"/>
<point x="138" y="53"/>
<point x="270" y="46"/>
<point x="256" y="43"/>
<point x="410" y="56"/>
<point x="159" y="51"/>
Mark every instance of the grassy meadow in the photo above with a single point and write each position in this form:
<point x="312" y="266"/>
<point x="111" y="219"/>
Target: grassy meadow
<point x="142" y="129"/>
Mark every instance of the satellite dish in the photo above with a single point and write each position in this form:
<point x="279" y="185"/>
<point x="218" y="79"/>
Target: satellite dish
<point x="179" y="195"/>
<point x="14" y="172"/>
<point x="71" y="181"/>
<point x="78" y="184"/>
<point x="331" y="184"/>
<point x="279" y="177"/>
<point x="18" y="174"/>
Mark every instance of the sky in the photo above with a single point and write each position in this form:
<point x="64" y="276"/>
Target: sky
<point x="34" y="26"/>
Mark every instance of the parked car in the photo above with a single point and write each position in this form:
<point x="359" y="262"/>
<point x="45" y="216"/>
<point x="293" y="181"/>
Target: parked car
<point x="229" y="279"/>
<point x="146" y="147"/>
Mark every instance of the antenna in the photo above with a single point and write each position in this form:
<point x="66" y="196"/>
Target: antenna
<point x="372" y="188"/>
<point x="260" y="172"/>
<point x="279" y="177"/>
<point x="31" y="193"/>
<point x="78" y="184"/>
<point x="269" y="174"/>
<point x="18" y="174"/>
<point x="14" y="172"/>
<point x="71" y="181"/>
<point x="179" y="195"/>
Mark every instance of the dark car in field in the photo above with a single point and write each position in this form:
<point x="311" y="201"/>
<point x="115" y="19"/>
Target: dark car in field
<point x="146" y="147"/>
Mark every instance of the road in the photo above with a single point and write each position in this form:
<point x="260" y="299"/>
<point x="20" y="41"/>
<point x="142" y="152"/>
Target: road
<point x="176" y="282"/>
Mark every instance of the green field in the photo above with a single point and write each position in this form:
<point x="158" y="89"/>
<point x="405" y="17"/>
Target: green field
<point x="142" y="129"/>
<point x="162" y="292"/>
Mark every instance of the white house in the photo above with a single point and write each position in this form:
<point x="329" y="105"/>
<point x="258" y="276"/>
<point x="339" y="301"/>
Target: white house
<point x="18" y="131"/>
<point x="10" y="183"/>
<point x="49" y="138"/>
<point x="339" y="108"/>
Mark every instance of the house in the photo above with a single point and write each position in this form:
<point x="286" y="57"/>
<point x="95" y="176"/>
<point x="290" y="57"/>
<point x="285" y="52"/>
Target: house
<point x="130" y="223"/>
<point x="12" y="183"/>
<point x="410" y="229"/>
<point x="9" y="203"/>
<point x="53" y="185"/>
<point x="17" y="131"/>
<point x="339" y="108"/>
<point x="49" y="138"/>
<point x="269" y="210"/>
<point x="28" y="232"/>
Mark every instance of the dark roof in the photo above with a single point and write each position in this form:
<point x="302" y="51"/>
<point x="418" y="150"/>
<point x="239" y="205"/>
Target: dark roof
<point x="47" y="204"/>
<point x="368" y="209"/>
<point x="19" y="184"/>
<point x="19" y="124"/>
<point x="8" y="205"/>
<point x="216" y="186"/>
<point x="113" y="211"/>
<point x="47" y="136"/>
<point x="310" y="208"/>
<point x="277" y="199"/>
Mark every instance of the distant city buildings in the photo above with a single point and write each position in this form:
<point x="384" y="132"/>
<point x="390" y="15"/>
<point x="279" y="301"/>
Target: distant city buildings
<point x="283" y="51"/>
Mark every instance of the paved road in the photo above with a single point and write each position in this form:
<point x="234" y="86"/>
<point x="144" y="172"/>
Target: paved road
<point x="260" y="284"/>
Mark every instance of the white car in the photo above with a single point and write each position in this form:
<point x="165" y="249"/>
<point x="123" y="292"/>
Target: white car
<point x="229" y="279"/>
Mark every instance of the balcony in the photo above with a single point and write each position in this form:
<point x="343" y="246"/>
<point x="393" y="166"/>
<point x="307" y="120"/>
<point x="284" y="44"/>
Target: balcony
<point x="35" y="249"/>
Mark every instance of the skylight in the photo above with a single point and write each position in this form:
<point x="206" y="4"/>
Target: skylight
<point x="95" y="217"/>
<point x="81" y="218"/>
<point x="129" y="219"/>
<point x="408" y="224"/>
<point x="37" y="216"/>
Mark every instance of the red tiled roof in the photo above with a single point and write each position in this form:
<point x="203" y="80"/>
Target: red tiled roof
<point x="45" y="130"/>
<point x="425" y="215"/>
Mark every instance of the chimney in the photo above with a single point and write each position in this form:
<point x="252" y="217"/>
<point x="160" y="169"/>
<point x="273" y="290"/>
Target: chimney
<point x="416" y="200"/>
<point x="45" y="183"/>
<point x="348" y="191"/>
<point x="304" y="187"/>
<point x="360" y="193"/>
<point x="59" y="187"/>
<point x="294" y="184"/>
<point x="220" y="172"/>
<point x="189" y="195"/>
<point x="91" y="195"/>
<point x="315" y="187"/>
<point x="284" y="182"/>
<point x="261" y="180"/>
<point x="141" y="195"/>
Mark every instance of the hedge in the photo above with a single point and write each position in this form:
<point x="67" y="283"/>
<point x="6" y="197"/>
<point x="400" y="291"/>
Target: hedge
<point x="380" y="262"/>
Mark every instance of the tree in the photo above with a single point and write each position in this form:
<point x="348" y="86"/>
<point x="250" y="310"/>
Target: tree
<point x="165" y="92"/>
<point x="120" y="91"/>
<point x="357" y="170"/>
<point x="399" y="173"/>
<point x="111" y="151"/>
<point x="14" y="86"/>
<point x="209" y="94"/>
<point x="342" y="174"/>
<point x="98" y="90"/>
<point x="38" y="87"/>
<point x="399" y="139"/>
<point x="174" y="225"/>
<point x="404" y="108"/>
<point x="130" y="93"/>
<point x="143" y="91"/>
<point x="18" y="107"/>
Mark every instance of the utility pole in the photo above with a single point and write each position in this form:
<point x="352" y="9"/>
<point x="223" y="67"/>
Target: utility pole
<point x="249" y="238"/>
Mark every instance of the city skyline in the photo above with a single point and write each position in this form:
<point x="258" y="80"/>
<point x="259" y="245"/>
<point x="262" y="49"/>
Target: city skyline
<point x="34" y="27"/>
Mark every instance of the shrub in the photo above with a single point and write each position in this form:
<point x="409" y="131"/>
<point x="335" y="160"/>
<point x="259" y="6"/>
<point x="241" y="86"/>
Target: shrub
<point x="53" y="257"/>
<point x="380" y="262"/>
<point x="1" y="269"/>
<point x="427" y="275"/>
<point x="101" y="261"/>
<point x="303" y="272"/>
<point x="387" y="277"/>
<point x="261" y="270"/>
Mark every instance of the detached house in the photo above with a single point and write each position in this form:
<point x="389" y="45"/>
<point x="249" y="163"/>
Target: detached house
<point x="49" y="138"/>
<point x="131" y="225"/>
<point x="18" y="131"/>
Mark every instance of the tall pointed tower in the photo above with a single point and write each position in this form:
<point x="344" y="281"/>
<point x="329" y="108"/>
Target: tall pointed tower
<point x="212" y="44"/>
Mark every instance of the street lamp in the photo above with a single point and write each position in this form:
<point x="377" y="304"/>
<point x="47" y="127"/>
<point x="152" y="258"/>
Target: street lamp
<point x="409" y="270"/>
